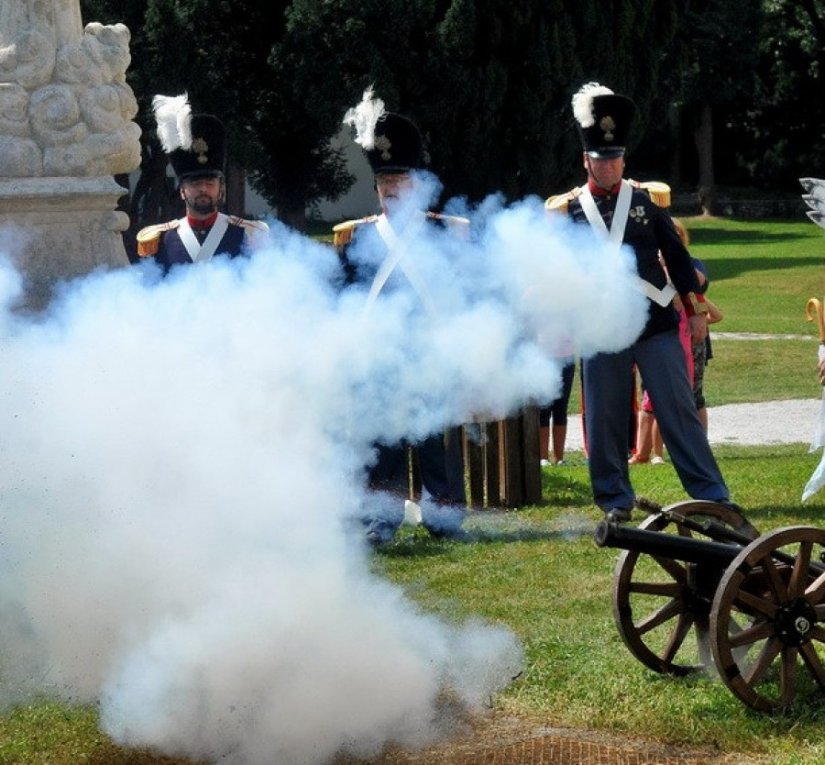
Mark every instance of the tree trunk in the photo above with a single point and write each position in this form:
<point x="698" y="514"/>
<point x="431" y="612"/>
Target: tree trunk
<point x="294" y="217"/>
<point x="235" y="189"/>
<point x="676" y="140"/>
<point x="703" y="137"/>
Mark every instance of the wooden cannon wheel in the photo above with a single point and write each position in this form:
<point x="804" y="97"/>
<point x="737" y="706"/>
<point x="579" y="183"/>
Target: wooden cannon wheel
<point x="656" y="602"/>
<point x="776" y="584"/>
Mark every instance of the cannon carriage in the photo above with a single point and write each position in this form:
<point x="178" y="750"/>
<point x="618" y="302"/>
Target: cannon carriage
<point x="697" y="587"/>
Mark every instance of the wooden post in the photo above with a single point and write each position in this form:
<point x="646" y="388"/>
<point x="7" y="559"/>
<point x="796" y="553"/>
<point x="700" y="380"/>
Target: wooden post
<point x="502" y="461"/>
<point x="530" y="461"/>
<point x="474" y="435"/>
<point x="519" y="465"/>
<point x="510" y="462"/>
<point x="491" y="464"/>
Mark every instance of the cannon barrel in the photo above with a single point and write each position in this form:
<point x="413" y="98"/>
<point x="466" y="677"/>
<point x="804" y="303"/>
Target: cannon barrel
<point x="673" y="546"/>
<point x="718" y="532"/>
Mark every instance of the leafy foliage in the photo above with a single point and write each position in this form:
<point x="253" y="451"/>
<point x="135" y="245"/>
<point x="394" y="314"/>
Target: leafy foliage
<point x="489" y="83"/>
<point x="784" y="132"/>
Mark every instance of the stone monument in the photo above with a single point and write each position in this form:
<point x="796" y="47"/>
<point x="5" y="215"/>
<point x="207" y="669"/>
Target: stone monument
<point x="65" y="130"/>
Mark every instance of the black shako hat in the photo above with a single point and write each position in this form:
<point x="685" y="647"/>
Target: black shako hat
<point x="604" y="119"/>
<point x="398" y="146"/>
<point x="206" y="156"/>
<point x="194" y="143"/>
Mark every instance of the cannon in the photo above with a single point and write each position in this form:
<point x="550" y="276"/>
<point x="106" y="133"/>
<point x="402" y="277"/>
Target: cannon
<point x="696" y="586"/>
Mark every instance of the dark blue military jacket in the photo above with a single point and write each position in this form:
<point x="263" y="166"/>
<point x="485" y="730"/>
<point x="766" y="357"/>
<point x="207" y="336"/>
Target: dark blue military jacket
<point x="163" y="242"/>
<point x="649" y="231"/>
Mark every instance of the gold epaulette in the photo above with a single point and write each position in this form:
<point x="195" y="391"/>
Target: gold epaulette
<point x="558" y="203"/>
<point x="659" y="192"/>
<point x="254" y="230"/>
<point x="148" y="239"/>
<point x="255" y="225"/>
<point x="342" y="232"/>
<point x="458" y="224"/>
<point x="449" y="220"/>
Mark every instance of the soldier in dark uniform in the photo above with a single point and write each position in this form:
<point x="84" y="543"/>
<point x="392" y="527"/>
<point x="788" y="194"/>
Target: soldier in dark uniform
<point x="195" y="144"/>
<point x="627" y="212"/>
<point x="378" y="250"/>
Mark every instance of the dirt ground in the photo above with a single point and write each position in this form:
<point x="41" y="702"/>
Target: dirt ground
<point x="508" y="741"/>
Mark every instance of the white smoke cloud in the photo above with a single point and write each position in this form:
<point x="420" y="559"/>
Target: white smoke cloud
<point x="181" y="456"/>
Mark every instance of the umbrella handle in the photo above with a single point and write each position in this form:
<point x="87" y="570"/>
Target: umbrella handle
<point x="813" y="310"/>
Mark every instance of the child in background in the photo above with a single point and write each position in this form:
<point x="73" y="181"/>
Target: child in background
<point x="649" y="444"/>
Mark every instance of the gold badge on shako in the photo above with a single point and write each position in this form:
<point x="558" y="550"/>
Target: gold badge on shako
<point x="201" y="148"/>
<point x="608" y="125"/>
<point x="383" y="144"/>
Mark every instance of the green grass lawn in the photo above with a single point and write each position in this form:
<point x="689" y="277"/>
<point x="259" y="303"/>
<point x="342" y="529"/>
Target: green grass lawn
<point x="538" y="571"/>
<point x="761" y="274"/>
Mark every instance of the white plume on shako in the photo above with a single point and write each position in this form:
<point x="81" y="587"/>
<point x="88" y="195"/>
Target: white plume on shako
<point x="182" y="459"/>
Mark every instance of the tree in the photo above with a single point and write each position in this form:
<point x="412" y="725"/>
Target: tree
<point x="713" y="74"/>
<point x="782" y="133"/>
<point x="278" y="116"/>
<point x="488" y="81"/>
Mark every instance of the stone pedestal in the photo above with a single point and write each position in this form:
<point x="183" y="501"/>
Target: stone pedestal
<point x="66" y="130"/>
<point x="60" y="228"/>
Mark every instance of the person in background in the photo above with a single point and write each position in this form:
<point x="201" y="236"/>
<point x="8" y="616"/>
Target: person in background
<point x="196" y="147"/>
<point x="395" y="150"/>
<point x="650" y="446"/>
<point x="624" y="212"/>
<point x="556" y="412"/>
<point x="703" y="353"/>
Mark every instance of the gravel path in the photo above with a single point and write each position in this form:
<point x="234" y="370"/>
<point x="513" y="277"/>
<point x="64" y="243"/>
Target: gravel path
<point x="771" y="422"/>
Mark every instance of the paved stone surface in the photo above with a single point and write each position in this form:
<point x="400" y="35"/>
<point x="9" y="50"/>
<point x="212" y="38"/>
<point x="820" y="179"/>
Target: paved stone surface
<point x="770" y="422"/>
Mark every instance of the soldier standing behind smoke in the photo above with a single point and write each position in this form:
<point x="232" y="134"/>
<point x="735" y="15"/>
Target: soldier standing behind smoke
<point x="195" y="144"/>
<point x="395" y="151"/>
<point x="624" y="212"/>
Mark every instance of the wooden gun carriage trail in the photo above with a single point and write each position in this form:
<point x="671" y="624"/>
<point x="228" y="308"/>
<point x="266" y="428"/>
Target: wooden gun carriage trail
<point x="698" y="588"/>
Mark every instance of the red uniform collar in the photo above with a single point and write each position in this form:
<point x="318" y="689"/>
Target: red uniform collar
<point x="202" y="222"/>
<point x="598" y="191"/>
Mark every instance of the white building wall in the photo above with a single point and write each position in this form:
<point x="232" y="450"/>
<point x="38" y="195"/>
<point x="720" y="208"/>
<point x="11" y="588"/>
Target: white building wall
<point x="360" y="200"/>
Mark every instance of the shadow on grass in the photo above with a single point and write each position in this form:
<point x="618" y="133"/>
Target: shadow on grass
<point x="559" y="488"/>
<point x="756" y="235"/>
<point x="730" y="268"/>
<point x="770" y="516"/>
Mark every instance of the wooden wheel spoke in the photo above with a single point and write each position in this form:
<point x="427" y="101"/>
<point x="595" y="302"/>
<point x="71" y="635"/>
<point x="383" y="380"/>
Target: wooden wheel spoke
<point x="677" y="571"/>
<point x="750" y="635"/>
<point x="788" y="675"/>
<point x="815" y="591"/>
<point x="655" y="618"/>
<point x="753" y="603"/>
<point x="660" y="616"/>
<point x="762" y="664"/>
<point x="774" y="579"/>
<point x="663" y="589"/>
<point x="680" y="632"/>
<point x="783" y="595"/>
<point x="813" y="662"/>
<point x="801" y="570"/>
